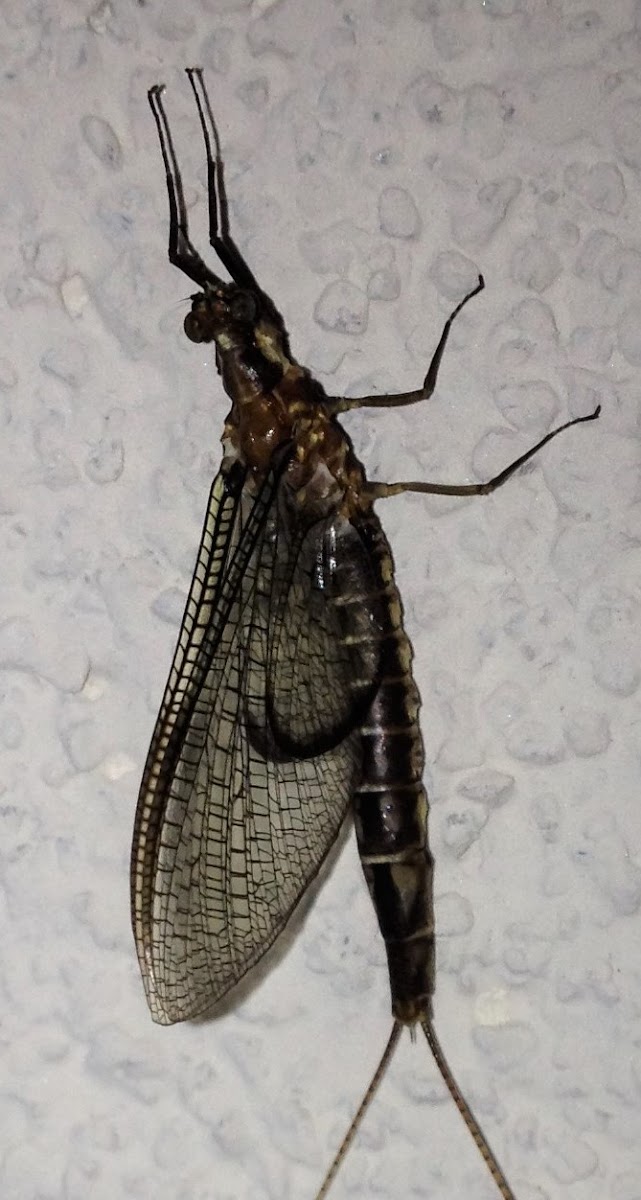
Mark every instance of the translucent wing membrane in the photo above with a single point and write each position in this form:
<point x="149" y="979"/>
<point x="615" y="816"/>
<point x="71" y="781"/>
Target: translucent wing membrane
<point x="255" y="753"/>
<point x="317" y="628"/>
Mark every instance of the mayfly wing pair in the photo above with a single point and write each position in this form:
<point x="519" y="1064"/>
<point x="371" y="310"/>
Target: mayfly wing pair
<point x="290" y="698"/>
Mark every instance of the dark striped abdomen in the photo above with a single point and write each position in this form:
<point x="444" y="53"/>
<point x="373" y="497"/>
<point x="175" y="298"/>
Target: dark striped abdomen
<point x="390" y="803"/>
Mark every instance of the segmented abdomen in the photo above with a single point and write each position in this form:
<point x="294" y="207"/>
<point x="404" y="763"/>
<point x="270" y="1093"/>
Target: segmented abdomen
<point x="390" y="802"/>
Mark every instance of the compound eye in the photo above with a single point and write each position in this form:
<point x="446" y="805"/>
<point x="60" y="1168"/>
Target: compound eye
<point x="244" y="307"/>
<point x="195" y="327"/>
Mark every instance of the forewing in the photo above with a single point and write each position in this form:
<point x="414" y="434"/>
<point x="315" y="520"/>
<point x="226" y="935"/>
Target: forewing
<point x="231" y="826"/>
<point x="233" y="525"/>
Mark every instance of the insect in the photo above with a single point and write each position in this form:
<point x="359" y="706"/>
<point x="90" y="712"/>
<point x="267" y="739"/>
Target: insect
<point x="290" y="697"/>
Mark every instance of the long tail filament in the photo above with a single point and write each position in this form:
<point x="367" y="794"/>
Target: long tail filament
<point x="488" y="1156"/>
<point x="362" y="1109"/>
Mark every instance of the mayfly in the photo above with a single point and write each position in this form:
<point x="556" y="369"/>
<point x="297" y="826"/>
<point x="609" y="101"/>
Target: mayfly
<point x="291" y="696"/>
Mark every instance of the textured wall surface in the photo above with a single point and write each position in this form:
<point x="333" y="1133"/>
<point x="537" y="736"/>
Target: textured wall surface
<point x="380" y="153"/>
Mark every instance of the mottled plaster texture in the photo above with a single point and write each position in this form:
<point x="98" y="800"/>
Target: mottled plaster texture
<point x="380" y="153"/>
